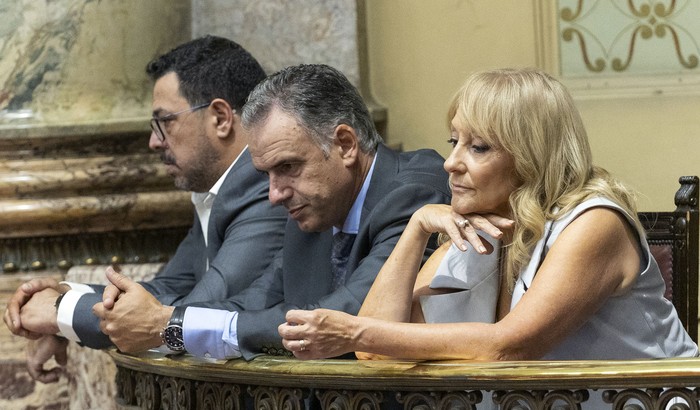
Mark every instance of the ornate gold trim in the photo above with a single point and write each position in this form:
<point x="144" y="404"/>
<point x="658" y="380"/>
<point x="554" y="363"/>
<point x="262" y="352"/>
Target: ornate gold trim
<point x="151" y="380"/>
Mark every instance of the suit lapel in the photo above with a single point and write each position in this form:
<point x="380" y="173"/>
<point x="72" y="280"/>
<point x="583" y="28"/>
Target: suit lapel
<point x="385" y="168"/>
<point x="228" y="198"/>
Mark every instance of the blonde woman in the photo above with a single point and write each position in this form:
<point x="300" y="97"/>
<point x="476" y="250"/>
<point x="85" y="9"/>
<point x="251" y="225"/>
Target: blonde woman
<point x="574" y="278"/>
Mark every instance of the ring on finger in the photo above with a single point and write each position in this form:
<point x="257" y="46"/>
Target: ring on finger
<point x="302" y="345"/>
<point x="463" y="223"/>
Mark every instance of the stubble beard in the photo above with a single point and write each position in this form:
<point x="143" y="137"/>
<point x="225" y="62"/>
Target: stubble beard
<point x="201" y="175"/>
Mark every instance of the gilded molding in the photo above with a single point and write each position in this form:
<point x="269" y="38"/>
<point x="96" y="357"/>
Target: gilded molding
<point x="679" y="398"/>
<point x="440" y="400"/>
<point x="271" y="398"/>
<point x="273" y="383"/>
<point x="540" y="399"/>
<point x="344" y="399"/>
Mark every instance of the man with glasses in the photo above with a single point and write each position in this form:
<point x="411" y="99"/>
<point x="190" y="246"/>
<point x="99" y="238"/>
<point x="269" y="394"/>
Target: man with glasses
<point x="157" y="121"/>
<point x="200" y="88"/>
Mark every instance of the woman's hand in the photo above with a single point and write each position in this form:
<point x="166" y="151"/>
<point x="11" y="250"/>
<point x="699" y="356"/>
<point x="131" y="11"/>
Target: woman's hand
<point x="318" y="334"/>
<point x="461" y="228"/>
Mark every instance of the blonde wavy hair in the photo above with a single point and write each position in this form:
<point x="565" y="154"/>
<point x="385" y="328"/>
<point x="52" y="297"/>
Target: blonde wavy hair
<point x="531" y="115"/>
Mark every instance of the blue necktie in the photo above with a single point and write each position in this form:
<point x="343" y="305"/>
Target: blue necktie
<point x="342" y="243"/>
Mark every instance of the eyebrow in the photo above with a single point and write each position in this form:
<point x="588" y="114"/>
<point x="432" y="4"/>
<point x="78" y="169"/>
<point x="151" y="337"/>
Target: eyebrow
<point x="294" y="159"/>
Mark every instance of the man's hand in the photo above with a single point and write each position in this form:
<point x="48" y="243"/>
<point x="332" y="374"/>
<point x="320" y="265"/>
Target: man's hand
<point x="42" y="350"/>
<point x="318" y="334"/>
<point x="20" y="297"/>
<point x="38" y="315"/>
<point x="136" y="318"/>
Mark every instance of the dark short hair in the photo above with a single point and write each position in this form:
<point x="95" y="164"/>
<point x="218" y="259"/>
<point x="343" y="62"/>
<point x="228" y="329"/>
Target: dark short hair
<point x="319" y="97"/>
<point x="210" y="67"/>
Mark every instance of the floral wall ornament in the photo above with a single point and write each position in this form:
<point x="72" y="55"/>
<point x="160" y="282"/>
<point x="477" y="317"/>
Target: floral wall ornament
<point x="637" y="37"/>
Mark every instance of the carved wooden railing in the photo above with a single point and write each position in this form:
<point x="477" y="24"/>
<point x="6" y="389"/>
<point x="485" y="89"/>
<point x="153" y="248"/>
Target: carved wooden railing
<point x="154" y="381"/>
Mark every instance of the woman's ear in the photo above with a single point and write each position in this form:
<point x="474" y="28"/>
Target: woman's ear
<point x="345" y="141"/>
<point x="224" y="117"/>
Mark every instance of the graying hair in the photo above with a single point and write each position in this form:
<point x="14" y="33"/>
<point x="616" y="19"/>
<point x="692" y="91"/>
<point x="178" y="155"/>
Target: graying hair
<point x="320" y="98"/>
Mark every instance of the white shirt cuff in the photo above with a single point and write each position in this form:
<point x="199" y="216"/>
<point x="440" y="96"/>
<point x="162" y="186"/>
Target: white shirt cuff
<point x="64" y="316"/>
<point x="211" y="333"/>
<point x="79" y="287"/>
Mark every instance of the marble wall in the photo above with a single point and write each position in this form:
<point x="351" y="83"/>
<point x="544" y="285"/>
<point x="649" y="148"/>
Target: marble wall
<point x="68" y="61"/>
<point x="281" y="33"/>
<point x="72" y="72"/>
<point x="72" y="89"/>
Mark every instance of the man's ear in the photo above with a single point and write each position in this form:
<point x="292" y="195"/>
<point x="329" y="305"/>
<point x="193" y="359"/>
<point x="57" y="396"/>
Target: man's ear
<point x="224" y="117"/>
<point x="345" y="141"/>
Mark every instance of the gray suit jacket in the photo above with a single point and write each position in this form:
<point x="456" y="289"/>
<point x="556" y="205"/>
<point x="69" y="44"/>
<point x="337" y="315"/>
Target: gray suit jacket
<point x="245" y="232"/>
<point x="300" y="276"/>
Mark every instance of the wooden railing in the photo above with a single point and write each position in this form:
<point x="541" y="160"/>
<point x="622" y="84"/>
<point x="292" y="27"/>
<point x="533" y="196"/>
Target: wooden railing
<point x="154" y="381"/>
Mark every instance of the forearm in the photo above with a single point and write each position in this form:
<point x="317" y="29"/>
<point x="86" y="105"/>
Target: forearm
<point x="397" y="277"/>
<point x="468" y="341"/>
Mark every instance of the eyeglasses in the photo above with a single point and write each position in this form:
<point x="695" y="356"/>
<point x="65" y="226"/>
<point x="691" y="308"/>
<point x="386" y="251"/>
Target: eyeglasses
<point x="156" y="121"/>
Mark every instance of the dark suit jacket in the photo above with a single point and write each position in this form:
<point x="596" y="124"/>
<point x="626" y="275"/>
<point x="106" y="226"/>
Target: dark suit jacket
<point x="300" y="276"/>
<point x="245" y="233"/>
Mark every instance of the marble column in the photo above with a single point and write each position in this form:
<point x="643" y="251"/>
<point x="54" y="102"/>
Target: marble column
<point x="74" y="108"/>
<point x="76" y="176"/>
<point x="72" y="61"/>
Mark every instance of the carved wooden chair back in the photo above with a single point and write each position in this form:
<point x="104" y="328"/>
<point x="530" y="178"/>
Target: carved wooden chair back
<point x="673" y="239"/>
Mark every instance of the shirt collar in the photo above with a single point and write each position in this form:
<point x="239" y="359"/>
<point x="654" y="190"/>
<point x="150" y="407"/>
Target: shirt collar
<point x="352" y="222"/>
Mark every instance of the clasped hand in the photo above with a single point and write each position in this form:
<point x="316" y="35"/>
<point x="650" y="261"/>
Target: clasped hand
<point x="130" y="315"/>
<point x="30" y="311"/>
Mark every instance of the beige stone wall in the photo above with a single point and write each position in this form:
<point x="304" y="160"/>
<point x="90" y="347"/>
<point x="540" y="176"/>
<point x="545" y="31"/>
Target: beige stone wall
<point x="421" y="52"/>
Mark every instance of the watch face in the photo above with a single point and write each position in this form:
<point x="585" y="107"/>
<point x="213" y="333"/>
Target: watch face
<point x="172" y="335"/>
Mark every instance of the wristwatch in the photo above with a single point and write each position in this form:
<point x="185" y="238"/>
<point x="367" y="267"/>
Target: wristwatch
<point x="57" y="303"/>
<point x="172" y="334"/>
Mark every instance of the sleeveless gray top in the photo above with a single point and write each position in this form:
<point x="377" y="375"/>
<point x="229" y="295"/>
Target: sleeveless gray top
<point x="641" y="323"/>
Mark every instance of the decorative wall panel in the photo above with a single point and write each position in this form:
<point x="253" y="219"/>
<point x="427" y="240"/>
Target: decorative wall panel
<point x="622" y="47"/>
